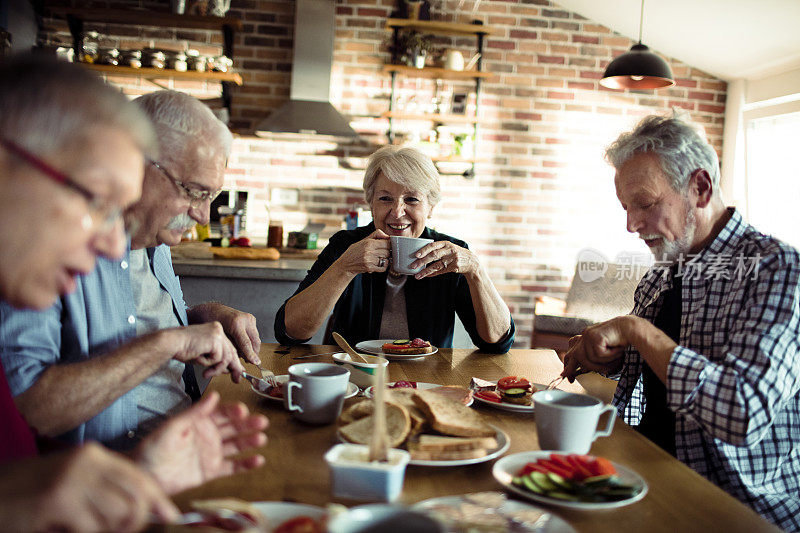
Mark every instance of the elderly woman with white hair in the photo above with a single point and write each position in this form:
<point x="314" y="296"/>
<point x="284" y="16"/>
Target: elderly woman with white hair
<point x="353" y="280"/>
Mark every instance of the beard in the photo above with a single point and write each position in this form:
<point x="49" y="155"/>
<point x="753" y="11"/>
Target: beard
<point x="181" y="222"/>
<point x="671" y="251"/>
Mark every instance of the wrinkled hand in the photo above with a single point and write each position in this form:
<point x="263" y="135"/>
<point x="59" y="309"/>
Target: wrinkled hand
<point x="197" y="445"/>
<point x="86" y="489"/>
<point x="239" y="326"/>
<point x="443" y="257"/>
<point x="207" y="345"/>
<point x="370" y="254"/>
<point x="600" y="348"/>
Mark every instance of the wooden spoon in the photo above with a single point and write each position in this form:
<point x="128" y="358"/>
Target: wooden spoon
<point x="343" y="344"/>
<point x="379" y="443"/>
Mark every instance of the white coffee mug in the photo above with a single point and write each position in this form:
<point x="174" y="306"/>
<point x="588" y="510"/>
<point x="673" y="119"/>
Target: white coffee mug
<point x="567" y="421"/>
<point x="315" y="392"/>
<point x="404" y="251"/>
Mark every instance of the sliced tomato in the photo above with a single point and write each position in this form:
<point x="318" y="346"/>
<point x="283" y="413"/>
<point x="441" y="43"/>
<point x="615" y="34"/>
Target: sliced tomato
<point x="489" y="396"/>
<point x="604" y="467"/>
<point x="404" y="385"/>
<point x="513" y="382"/>
<point x="556" y="469"/>
<point x="560" y="459"/>
<point x="578" y="463"/>
<point x="532" y="467"/>
<point x="300" y="524"/>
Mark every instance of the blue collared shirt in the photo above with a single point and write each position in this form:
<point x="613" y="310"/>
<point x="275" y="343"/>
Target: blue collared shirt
<point x="98" y="317"/>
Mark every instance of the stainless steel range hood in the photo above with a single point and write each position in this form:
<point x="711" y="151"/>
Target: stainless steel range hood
<point x="309" y="110"/>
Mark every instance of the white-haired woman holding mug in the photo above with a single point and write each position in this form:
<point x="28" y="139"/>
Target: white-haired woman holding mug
<point x="352" y="278"/>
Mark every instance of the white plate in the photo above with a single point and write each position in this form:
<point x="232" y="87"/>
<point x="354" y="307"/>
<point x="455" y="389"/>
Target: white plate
<point x="547" y="523"/>
<point x="420" y="386"/>
<point x="376" y="348"/>
<point x="504" y="406"/>
<point x="276" y="513"/>
<point x="507" y="467"/>
<point x="503" y="443"/>
<point x="352" y="389"/>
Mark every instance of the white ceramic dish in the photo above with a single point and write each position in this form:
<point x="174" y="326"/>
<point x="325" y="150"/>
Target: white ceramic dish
<point x="277" y="513"/>
<point x="503" y="443"/>
<point x="420" y="386"/>
<point x="546" y="523"/>
<point x="507" y="467"/>
<point x="375" y="348"/>
<point x="360" y="373"/>
<point x="354" y="476"/>
<point x="503" y="406"/>
<point x="352" y="389"/>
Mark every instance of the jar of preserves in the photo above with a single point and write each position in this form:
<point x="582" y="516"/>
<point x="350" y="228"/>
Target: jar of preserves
<point x="89" y="52"/>
<point x="177" y="61"/>
<point x="109" y="56"/>
<point x="132" y="58"/>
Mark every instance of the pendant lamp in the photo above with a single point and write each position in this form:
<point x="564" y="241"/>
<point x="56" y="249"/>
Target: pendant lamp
<point x="638" y="68"/>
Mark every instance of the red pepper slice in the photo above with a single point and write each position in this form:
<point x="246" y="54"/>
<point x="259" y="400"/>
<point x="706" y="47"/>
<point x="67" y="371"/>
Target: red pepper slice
<point x="604" y="467"/>
<point x="556" y="469"/>
<point x="561" y="460"/>
<point x="489" y="396"/>
<point x="579" y="465"/>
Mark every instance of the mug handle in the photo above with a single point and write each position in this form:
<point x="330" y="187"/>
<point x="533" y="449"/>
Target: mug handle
<point x="289" y="386"/>
<point x="606" y="431"/>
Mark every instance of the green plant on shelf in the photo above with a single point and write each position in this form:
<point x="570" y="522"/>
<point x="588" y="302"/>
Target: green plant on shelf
<point x="411" y="48"/>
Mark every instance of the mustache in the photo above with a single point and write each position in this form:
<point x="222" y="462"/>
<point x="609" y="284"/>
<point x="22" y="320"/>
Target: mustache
<point x="181" y="222"/>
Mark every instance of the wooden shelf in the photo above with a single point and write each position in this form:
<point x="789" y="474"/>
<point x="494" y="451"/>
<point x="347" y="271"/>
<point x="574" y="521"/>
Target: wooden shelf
<point x="142" y="17"/>
<point x="156" y="73"/>
<point x="435" y="117"/>
<point x="446" y="28"/>
<point x="437" y="73"/>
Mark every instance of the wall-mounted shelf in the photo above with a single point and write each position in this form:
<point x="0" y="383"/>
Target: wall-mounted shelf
<point x="78" y="17"/>
<point x="437" y="73"/>
<point x="156" y="73"/>
<point x="479" y="32"/>
<point x="433" y="117"/>
<point x="440" y="28"/>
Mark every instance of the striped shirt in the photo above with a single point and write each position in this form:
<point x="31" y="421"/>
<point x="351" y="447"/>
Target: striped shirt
<point x="733" y="381"/>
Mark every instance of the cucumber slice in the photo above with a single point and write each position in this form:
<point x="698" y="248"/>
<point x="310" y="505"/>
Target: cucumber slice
<point x="543" y="481"/>
<point x="596" y="481"/>
<point x="528" y="483"/>
<point x="514" y="392"/>
<point x="560" y="495"/>
<point x="560" y="482"/>
<point x="401" y="341"/>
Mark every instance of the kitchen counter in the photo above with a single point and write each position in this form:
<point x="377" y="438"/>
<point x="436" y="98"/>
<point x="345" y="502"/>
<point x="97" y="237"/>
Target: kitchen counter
<point x="282" y="269"/>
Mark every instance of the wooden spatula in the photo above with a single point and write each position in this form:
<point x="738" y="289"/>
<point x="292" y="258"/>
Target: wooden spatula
<point x="379" y="443"/>
<point x="344" y="345"/>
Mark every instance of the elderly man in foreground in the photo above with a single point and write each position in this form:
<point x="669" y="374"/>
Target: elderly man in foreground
<point x="124" y="331"/>
<point x="708" y="361"/>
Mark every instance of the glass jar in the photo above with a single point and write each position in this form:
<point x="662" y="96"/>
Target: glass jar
<point x="177" y="61"/>
<point x="194" y="61"/>
<point x="109" y="56"/>
<point x="153" y="58"/>
<point x="89" y="52"/>
<point x="132" y="58"/>
<point x="222" y="63"/>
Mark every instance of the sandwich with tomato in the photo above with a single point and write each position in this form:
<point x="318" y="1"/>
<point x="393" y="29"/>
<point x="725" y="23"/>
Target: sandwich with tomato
<point x="513" y="389"/>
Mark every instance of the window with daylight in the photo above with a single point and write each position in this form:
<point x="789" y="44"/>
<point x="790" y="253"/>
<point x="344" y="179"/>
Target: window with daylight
<point x="773" y="175"/>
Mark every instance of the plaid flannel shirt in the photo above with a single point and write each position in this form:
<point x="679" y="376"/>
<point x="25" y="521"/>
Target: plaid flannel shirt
<point x="734" y="379"/>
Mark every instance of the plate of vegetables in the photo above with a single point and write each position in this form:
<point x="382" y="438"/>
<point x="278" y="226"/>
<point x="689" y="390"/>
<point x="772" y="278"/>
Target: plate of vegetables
<point x="569" y="480"/>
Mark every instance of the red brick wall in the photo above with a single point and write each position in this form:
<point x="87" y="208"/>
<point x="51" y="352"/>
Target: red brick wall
<point x="542" y="191"/>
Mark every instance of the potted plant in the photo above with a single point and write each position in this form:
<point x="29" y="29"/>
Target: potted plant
<point x="411" y="48"/>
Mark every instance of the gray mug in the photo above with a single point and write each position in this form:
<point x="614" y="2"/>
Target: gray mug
<point x="314" y="392"/>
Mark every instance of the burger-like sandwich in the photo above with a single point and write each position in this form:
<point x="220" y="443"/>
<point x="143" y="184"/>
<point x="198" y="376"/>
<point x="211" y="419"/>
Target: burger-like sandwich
<point x="514" y="389"/>
<point x="407" y="347"/>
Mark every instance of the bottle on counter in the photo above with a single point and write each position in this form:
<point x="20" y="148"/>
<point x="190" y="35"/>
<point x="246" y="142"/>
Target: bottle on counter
<point x="275" y="234"/>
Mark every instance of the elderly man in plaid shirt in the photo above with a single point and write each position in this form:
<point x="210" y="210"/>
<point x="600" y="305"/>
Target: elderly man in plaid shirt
<point x="708" y="361"/>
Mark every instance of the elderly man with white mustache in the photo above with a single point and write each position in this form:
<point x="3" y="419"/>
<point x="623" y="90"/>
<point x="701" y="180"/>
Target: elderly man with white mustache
<point x="709" y="359"/>
<point x="120" y="328"/>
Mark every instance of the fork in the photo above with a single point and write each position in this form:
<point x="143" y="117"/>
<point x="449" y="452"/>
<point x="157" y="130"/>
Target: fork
<point x="259" y="383"/>
<point x="268" y="376"/>
<point x="560" y="379"/>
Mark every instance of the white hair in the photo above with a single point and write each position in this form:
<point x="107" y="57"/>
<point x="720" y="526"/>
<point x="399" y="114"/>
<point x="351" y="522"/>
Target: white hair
<point x="49" y="106"/>
<point x="404" y="165"/>
<point x="181" y="119"/>
<point x="679" y="146"/>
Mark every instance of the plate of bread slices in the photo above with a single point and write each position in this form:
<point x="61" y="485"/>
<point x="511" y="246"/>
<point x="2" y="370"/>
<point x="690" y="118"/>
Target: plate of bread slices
<point x="398" y="349"/>
<point x="437" y="430"/>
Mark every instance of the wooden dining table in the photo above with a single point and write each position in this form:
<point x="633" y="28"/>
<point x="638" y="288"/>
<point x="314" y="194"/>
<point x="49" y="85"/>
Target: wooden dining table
<point x="295" y="471"/>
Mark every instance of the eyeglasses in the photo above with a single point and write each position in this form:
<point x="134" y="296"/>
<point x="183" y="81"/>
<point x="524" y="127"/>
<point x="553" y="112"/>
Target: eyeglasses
<point x="104" y="215"/>
<point x="196" y="194"/>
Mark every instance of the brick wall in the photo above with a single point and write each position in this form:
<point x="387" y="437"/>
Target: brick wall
<point x="542" y="191"/>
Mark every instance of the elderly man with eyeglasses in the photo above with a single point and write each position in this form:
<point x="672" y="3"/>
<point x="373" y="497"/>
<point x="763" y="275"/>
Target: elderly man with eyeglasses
<point x="125" y="331"/>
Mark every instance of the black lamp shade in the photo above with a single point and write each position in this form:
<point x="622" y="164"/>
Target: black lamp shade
<point x="639" y="68"/>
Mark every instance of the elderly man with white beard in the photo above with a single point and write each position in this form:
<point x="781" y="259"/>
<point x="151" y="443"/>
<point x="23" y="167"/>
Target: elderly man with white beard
<point x="117" y="332"/>
<point x="708" y="361"/>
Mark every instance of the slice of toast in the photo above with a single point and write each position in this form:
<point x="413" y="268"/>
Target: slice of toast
<point x="447" y="455"/>
<point x="444" y="443"/>
<point x="450" y="417"/>
<point x="398" y="425"/>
